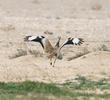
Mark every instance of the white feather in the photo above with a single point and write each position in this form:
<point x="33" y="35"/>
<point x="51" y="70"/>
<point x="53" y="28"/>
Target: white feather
<point x="40" y="37"/>
<point x="76" y="40"/>
<point x="44" y="41"/>
<point x="32" y="38"/>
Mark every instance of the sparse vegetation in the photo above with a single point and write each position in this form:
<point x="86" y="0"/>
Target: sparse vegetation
<point x="22" y="52"/>
<point x="103" y="48"/>
<point x="35" y="2"/>
<point x="81" y="83"/>
<point x="36" y="53"/>
<point x="79" y="89"/>
<point x="84" y="52"/>
<point x="96" y="7"/>
<point x="47" y="32"/>
<point x="7" y="28"/>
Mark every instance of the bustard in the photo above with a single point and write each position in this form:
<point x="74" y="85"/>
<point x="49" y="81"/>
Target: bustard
<point x="50" y="51"/>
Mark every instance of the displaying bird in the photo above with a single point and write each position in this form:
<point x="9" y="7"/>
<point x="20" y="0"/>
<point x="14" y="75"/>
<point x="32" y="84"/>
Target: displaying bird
<point x="53" y="51"/>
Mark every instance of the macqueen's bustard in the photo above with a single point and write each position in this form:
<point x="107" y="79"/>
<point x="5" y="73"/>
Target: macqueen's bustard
<point x="50" y="51"/>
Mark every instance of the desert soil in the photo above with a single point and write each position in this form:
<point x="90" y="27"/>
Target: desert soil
<point x="88" y="19"/>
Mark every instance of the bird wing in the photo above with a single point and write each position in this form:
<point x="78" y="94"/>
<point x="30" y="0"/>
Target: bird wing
<point x="72" y="41"/>
<point x="35" y="39"/>
<point x="45" y="43"/>
<point x="57" y="45"/>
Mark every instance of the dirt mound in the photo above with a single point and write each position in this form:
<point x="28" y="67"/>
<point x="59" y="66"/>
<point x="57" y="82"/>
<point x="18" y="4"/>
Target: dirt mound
<point x="21" y="61"/>
<point x="94" y="66"/>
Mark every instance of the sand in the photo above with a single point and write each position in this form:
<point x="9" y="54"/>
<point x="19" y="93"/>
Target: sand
<point x="88" y="19"/>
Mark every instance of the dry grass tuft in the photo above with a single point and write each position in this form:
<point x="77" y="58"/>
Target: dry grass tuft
<point x="96" y="7"/>
<point x="7" y="28"/>
<point x="35" y="2"/>
<point x="47" y="32"/>
<point x="103" y="48"/>
<point x="84" y="52"/>
<point x="20" y="52"/>
<point x="36" y="53"/>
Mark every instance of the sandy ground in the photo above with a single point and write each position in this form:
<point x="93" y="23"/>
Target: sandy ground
<point x="88" y="19"/>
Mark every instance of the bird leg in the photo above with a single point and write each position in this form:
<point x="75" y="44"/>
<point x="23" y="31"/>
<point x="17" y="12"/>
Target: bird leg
<point x="54" y="61"/>
<point x="50" y="61"/>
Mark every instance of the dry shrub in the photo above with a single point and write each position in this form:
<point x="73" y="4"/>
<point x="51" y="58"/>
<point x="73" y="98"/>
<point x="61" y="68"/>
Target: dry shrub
<point x="58" y="18"/>
<point x="84" y="52"/>
<point x="47" y="32"/>
<point x="20" y="52"/>
<point x="7" y="28"/>
<point x="103" y="48"/>
<point x="96" y="7"/>
<point x="36" y="53"/>
<point x="35" y="1"/>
